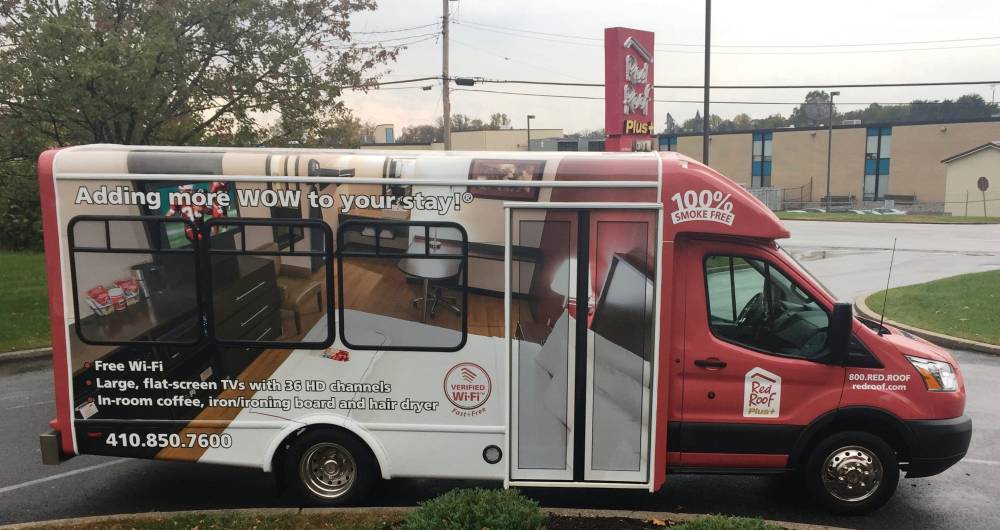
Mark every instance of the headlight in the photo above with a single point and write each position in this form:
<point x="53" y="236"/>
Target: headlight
<point x="938" y="376"/>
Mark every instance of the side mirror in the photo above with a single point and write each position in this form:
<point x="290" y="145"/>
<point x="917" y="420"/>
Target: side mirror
<point x="839" y="332"/>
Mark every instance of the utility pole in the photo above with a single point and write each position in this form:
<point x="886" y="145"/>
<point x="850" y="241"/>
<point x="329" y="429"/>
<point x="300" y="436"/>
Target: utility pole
<point x="708" y="75"/>
<point x="829" y="149"/>
<point x="445" y="82"/>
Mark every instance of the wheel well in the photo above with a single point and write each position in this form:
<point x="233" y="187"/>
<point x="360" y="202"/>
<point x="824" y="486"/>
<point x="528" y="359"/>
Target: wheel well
<point x="278" y="459"/>
<point x="873" y="421"/>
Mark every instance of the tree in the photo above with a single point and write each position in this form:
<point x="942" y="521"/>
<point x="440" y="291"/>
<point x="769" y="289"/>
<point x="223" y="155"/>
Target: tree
<point x="344" y="132"/>
<point x="714" y="122"/>
<point x="670" y="125"/>
<point x="967" y="107"/>
<point x="694" y="124"/>
<point x="498" y="120"/>
<point x="461" y="122"/>
<point x="421" y="134"/>
<point x="425" y="134"/>
<point x="742" y="122"/>
<point x="210" y="72"/>
<point x="774" y="121"/>
<point x="178" y="72"/>
<point x="815" y="110"/>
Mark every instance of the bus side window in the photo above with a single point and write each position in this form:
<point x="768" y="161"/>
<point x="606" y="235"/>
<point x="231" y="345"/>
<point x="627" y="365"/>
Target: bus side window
<point x="402" y="285"/>
<point x="271" y="282"/>
<point x="752" y="304"/>
<point x="136" y="280"/>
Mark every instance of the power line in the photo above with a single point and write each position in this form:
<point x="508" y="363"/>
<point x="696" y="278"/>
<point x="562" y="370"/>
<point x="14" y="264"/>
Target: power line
<point x="596" y="98"/>
<point x="564" y="96"/>
<point x="508" y="58"/>
<point x="678" y="44"/>
<point x="534" y="37"/>
<point x="376" y="85"/>
<point x="699" y="87"/>
<point x="347" y="46"/>
<point x="837" y="52"/>
<point x="384" y="41"/>
<point x="399" y="88"/>
<point x="397" y="30"/>
<point x="750" y="87"/>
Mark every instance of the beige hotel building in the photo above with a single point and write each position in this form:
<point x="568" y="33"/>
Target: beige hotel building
<point x="870" y="163"/>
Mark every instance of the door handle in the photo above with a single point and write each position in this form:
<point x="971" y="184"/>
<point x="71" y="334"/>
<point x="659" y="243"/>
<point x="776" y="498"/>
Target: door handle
<point x="712" y="363"/>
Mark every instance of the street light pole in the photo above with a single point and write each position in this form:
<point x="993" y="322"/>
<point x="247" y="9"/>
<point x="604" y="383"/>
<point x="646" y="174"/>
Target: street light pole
<point x="530" y="117"/>
<point x="829" y="149"/>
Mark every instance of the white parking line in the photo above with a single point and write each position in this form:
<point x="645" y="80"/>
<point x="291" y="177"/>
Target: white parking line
<point x="983" y="462"/>
<point x="32" y="404"/>
<point x="9" y="489"/>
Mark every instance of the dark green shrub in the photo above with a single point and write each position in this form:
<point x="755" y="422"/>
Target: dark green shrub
<point x="20" y="212"/>
<point x="720" y="522"/>
<point x="476" y="509"/>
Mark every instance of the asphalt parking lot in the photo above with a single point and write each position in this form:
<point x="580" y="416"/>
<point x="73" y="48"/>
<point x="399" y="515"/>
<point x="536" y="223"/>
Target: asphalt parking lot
<point x="851" y="259"/>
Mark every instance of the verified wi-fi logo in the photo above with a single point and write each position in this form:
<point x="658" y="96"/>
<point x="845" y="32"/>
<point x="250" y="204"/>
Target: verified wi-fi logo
<point x="467" y="386"/>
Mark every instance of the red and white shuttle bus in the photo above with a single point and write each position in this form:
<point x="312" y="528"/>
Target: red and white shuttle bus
<point x="544" y="319"/>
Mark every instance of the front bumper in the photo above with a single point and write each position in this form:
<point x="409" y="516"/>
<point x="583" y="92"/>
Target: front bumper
<point x="937" y="445"/>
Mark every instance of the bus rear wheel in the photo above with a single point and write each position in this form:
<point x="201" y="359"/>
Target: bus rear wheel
<point x="329" y="467"/>
<point x="852" y="473"/>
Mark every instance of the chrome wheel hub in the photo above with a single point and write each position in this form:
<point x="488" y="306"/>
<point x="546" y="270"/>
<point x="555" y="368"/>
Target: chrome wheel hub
<point x="328" y="470"/>
<point x="852" y="474"/>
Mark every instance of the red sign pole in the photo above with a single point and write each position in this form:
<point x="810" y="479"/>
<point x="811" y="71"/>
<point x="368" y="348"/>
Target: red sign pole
<point x="628" y="89"/>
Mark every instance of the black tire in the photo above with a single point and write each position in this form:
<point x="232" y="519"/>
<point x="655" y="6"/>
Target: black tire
<point x="329" y="467"/>
<point x="835" y="472"/>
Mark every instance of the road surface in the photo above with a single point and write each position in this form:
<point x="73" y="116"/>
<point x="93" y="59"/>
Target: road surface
<point x="852" y="259"/>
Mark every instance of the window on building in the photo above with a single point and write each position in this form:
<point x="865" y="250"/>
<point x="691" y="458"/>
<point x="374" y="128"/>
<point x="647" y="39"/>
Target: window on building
<point x="761" y="161"/>
<point x="390" y="135"/>
<point x="878" y="146"/>
<point x="595" y="145"/>
<point x="668" y="143"/>
<point x="752" y="304"/>
<point x="568" y="145"/>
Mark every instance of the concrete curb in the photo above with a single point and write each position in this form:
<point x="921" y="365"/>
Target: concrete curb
<point x="940" y="339"/>
<point x="392" y="511"/>
<point x="24" y="355"/>
<point x="680" y="517"/>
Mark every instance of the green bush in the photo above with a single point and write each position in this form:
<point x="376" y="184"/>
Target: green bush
<point x="476" y="509"/>
<point x="20" y="211"/>
<point x="719" y="522"/>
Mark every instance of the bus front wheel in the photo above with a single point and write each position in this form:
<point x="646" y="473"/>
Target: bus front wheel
<point x="852" y="472"/>
<point x="329" y="467"/>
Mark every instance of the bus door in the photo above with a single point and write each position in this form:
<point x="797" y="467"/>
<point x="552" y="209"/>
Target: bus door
<point x="581" y="292"/>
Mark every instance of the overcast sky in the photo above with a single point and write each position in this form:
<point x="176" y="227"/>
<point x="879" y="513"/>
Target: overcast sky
<point x="502" y="39"/>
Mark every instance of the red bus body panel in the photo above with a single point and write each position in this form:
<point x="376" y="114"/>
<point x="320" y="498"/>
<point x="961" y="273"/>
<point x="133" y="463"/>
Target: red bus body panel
<point x="53" y="274"/>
